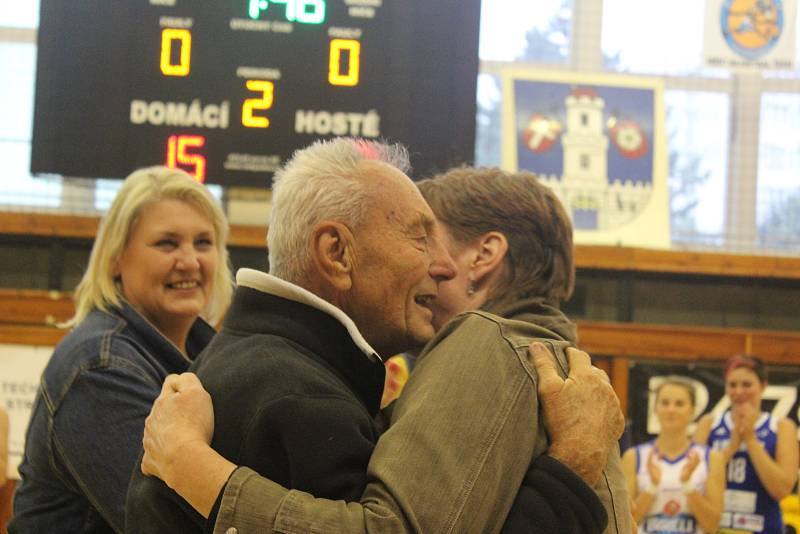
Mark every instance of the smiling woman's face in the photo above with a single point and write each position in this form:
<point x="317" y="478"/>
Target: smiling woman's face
<point x="743" y="386"/>
<point x="167" y="267"/>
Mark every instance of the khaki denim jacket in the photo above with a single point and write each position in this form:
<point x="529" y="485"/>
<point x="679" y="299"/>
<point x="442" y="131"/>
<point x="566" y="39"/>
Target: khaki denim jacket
<point x="461" y="439"/>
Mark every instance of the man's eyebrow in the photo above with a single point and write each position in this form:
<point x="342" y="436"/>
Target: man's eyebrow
<point x="422" y="221"/>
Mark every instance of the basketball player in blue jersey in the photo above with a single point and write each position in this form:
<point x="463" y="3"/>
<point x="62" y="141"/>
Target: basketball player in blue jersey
<point x="676" y="485"/>
<point x="760" y="451"/>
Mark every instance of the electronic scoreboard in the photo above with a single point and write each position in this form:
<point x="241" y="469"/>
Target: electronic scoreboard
<point x="229" y="89"/>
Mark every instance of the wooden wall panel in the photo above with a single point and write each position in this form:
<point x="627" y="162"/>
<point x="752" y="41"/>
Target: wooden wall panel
<point x="619" y="381"/>
<point x="85" y="227"/>
<point x="686" y="343"/>
<point x="31" y="313"/>
<point x="38" y="336"/>
<point x="586" y="256"/>
<point x="21" y="306"/>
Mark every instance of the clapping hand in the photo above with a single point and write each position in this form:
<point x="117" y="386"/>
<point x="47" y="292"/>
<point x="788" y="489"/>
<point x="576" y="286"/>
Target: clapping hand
<point x="692" y="460"/>
<point x="744" y="420"/>
<point x="652" y="467"/>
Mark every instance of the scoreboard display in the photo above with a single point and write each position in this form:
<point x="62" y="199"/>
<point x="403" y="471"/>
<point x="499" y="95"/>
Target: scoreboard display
<point x="229" y="89"/>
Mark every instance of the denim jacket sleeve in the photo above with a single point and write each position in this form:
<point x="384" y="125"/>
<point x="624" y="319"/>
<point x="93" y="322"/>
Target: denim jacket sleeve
<point x="97" y="432"/>
<point x="461" y="441"/>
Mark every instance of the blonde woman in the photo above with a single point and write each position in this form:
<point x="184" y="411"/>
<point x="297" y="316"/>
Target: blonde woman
<point x="676" y="485"/>
<point x="158" y="265"/>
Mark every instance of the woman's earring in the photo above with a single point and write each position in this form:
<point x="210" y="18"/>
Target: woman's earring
<point x="471" y="288"/>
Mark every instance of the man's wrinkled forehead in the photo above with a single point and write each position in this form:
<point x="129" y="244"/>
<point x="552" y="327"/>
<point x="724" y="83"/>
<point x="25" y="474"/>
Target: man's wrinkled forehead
<point x="424" y="220"/>
<point x="414" y="217"/>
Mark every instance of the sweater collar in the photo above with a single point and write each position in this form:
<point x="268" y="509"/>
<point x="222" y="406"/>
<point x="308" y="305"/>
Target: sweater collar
<point x="267" y="283"/>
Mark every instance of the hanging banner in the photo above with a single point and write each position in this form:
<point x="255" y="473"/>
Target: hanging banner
<point x="751" y="35"/>
<point x="20" y="369"/>
<point x="598" y="141"/>
<point x="780" y="397"/>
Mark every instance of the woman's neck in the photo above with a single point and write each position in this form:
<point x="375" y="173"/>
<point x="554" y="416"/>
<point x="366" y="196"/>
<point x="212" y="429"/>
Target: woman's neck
<point x="177" y="334"/>
<point x="672" y="444"/>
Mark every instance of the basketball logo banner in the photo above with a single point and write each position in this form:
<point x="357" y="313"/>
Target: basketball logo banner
<point x="750" y="34"/>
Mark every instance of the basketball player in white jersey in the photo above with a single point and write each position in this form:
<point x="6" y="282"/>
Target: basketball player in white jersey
<point x="676" y="485"/>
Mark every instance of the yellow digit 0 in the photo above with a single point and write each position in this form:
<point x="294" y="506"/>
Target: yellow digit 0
<point x="185" y="37"/>
<point x="335" y="76"/>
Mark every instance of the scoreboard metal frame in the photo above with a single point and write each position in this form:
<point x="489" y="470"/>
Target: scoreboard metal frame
<point x="229" y="89"/>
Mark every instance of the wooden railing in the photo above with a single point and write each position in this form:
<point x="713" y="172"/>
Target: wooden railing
<point x="85" y="227"/>
<point x="29" y="317"/>
<point x="614" y="346"/>
<point x="586" y="256"/>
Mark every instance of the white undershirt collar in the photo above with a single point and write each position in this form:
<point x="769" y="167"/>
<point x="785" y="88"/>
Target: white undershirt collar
<point x="273" y="285"/>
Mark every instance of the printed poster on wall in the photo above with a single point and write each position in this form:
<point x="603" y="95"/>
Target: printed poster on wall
<point x="780" y="397"/>
<point x="598" y="141"/>
<point x="751" y="35"/>
<point x="20" y="369"/>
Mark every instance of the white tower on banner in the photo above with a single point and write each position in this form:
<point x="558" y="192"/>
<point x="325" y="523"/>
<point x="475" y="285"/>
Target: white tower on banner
<point x="594" y="200"/>
<point x="584" y="143"/>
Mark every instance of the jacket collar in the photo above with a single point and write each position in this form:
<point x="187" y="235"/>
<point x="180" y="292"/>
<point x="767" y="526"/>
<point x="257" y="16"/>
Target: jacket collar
<point x="265" y="305"/>
<point x="199" y="337"/>
<point x="543" y="315"/>
<point x="266" y="283"/>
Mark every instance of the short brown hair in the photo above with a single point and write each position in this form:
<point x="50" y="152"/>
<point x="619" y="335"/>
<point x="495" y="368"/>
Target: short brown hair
<point x="473" y="201"/>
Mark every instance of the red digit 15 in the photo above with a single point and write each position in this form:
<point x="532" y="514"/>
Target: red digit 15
<point x="178" y="155"/>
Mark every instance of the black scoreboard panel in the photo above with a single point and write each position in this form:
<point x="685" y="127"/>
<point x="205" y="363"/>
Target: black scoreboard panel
<point x="228" y="89"/>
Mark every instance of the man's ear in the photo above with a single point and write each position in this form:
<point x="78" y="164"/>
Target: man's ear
<point x="332" y="253"/>
<point x="491" y="250"/>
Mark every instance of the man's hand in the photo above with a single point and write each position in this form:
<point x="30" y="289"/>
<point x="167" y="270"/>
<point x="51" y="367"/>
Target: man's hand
<point x="182" y="416"/>
<point x="582" y="413"/>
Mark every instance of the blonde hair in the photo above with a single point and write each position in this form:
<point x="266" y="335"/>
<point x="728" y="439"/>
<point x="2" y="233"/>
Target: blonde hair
<point x="99" y="289"/>
<point x="320" y="182"/>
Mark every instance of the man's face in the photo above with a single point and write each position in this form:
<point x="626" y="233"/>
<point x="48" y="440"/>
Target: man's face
<point x="453" y="296"/>
<point x="398" y="264"/>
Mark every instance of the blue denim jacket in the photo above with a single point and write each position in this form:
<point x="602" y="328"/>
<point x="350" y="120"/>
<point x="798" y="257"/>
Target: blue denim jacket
<point x="85" y="432"/>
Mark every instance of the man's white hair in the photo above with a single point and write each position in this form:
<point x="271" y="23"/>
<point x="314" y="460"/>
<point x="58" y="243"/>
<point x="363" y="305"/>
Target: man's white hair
<point x="318" y="183"/>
